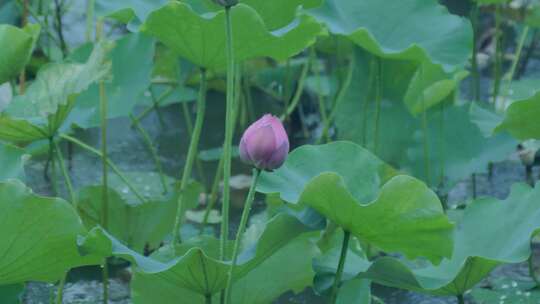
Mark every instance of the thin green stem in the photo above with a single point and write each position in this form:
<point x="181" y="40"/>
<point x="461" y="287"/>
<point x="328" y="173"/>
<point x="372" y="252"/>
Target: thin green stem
<point x="208" y="298"/>
<point x="109" y="163"/>
<point x="150" y="146"/>
<point x="378" y="99"/>
<point x="528" y="53"/>
<point x="189" y="127"/>
<point x="425" y="131"/>
<point x="517" y="55"/>
<point x="532" y="272"/>
<point x="340" y="95"/>
<point x="104" y="167"/>
<point x="89" y="19"/>
<point x="213" y="193"/>
<point x="243" y="222"/>
<point x="320" y="98"/>
<point x="54" y="182"/>
<point x="341" y="266"/>
<point x="474" y="59"/>
<point x="497" y="68"/>
<point x="65" y="173"/>
<point x="370" y="88"/>
<point x="473" y="185"/>
<point x="192" y="153"/>
<point x="229" y="125"/>
<point x="105" y="279"/>
<point x="155" y="103"/>
<point x="299" y="89"/>
<point x="43" y="25"/>
<point x="219" y="172"/>
<point x="460" y="299"/>
<point x="60" y="289"/>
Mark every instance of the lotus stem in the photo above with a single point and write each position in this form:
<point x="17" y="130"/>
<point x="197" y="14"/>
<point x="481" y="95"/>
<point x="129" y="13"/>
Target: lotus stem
<point x="148" y="142"/>
<point x="65" y="174"/>
<point x="371" y="81"/>
<point x="229" y="127"/>
<point x="109" y="163"/>
<point x="474" y="59"/>
<point x="243" y="222"/>
<point x="52" y="162"/>
<point x="515" y="63"/>
<point x="497" y="67"/>
<point x="532" y="272"/>
<point x="189" y="127"/>
<point x="341" y="266"/>
<point x="460" y="299"/>
<point x="299" y="89"/>
<point x="192" y="153"/>
<point x="378" y="99"/>
<point x="60" y="290"/>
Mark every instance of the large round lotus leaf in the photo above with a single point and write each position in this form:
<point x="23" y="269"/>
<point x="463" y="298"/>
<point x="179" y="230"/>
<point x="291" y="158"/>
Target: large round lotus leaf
<point x="420" y="30"/>
<point x="43" y="108"/>
<point x="202" y="39"/>
<point x="289" y="268"/>
<point x="17" y="46"/>
<point x="194" y="265"/>
<point x="491" y="232"/>
<point x="448" y="126"/>
<point x="131" y="73"/>
<point x="521" y="118"/>
<point x="362" y="172"/>
<point x="279" y="13"/>
<point x="138" y="225"/>
<point x="39" y="236"/>
<point x="350" y="186"/>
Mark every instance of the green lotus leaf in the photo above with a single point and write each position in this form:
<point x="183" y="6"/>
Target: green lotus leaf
<point x="17" y="46"/>
<point x="138" y="225"/>
<point x="483" y="241"/>
<point x="202" y="38"/>
<point x="279" y="13"/>
<point x="307" y="162"/>
<point x="131" y="73"/>
<point x="12" y="159"/>
<point x="43" y="108"/>
<point x="400" y="214"/>
<point x="521" y="118"/>
<point x="39" y="236"/>
<point x="194" y="265"/>
<point x="289" y="268"/>
<point x="449" y="127"/>
<point x="126" y="11"/>
<point x="398" y="29"/>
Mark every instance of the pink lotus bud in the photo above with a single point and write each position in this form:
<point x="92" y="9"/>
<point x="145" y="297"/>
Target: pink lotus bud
<point x="265" y="144"/>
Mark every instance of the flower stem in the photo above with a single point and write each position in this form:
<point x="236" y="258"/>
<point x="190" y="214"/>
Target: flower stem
<point x="148" y="142"/>
<point x="54" y="183"/>
<point x="474" y="59"/>
<point x="460" y="299"/>
<point x="515" y="63"/>
<point x="243" y="222"/>
<point x="67" y="179"/>
<point x="229" y="125"/>
<point x="497" y="67"/>
<point x="60" y="289"/>
<point x="189" y="127"/>
<point x="104" y="168"/>
<point x="109" y="163"/>
<point x="105" y="279"/>
<point x="208" y="298"/>
<point x="341" y="266"/>
<point x="192" y="153"/>
<point x="299" y="90"/>
<point x="378" y="97"/>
